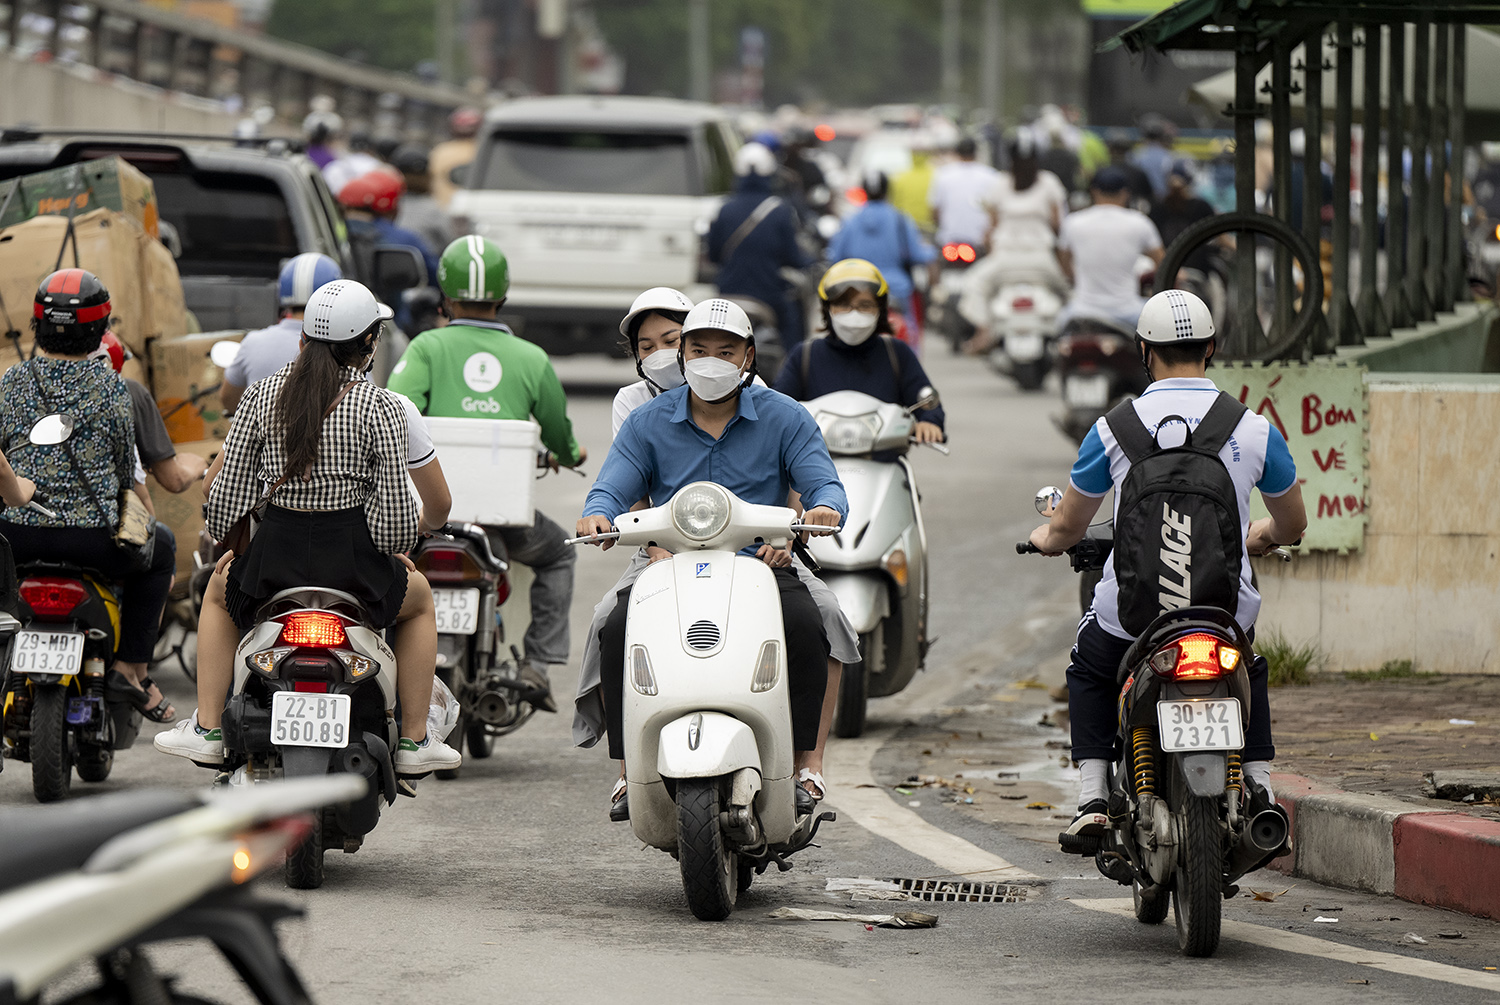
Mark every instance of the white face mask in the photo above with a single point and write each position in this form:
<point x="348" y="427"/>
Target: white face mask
<point x="662" y="370"/>
<point x="712" y="379"/>
<point x="854" y="327"/>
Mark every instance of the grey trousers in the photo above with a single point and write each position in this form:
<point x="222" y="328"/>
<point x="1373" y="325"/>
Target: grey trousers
<point x="541" y="547"/>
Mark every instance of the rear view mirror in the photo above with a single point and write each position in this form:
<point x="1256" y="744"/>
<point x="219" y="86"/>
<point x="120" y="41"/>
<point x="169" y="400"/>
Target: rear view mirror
<point x="397" y="267"/>
<point x="1048" y="497"/>
<point x="223" y="353"/>
<point x="459" y="175"/>
<point x="927" y="398"/>
<point x="51" y="429"/>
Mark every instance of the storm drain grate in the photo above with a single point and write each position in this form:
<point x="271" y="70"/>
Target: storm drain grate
<point x="949" y="890"/>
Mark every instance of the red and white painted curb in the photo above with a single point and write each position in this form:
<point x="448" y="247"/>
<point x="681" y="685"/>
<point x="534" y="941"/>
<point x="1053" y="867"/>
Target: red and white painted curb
<point x="1382" y="845"/>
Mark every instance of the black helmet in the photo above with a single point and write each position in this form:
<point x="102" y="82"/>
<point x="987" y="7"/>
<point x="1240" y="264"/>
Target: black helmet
<point x="71" y="302"/>
<point x="410" y="158"/>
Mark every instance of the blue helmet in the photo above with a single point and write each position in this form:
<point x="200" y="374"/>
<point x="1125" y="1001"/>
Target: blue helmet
<point x="302" y="276"/>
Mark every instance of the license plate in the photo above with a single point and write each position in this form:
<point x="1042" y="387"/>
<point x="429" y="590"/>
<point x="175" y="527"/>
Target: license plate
<point x="47" y="652"/>
<point x="310" y="720"/>
<point x="1024" y="348"/>
<point x="1202" y="724"/>
<point x="1091" y="391"/>
<point x="457" y="611"/>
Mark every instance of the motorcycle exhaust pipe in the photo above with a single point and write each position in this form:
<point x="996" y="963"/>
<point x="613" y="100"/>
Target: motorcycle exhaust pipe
<point x="1268" y="830"/>
<point x="493" y="708"/>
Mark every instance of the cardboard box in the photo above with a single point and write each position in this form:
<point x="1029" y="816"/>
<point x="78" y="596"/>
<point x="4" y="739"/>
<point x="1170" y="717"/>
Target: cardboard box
<point x="184" y="512"/>
<point x="108" y="183"/>
<point x="186" y="385"/>
<point x="144" y="289"/>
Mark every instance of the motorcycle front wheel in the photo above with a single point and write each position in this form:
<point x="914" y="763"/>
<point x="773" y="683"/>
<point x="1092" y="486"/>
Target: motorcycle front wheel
<point x="1198" y="894"/>
<point x="51" y="744"/>
<point x="710" y="868"/>
<point x="304" y="864"/>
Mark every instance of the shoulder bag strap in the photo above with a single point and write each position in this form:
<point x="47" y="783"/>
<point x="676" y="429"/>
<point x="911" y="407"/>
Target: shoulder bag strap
<point x="757" y="215"/>
<point x="1130" y="432"/>
<point x="806" y="363"/>
<point x="890" y="353"/>
<point x="1219" y="423"/>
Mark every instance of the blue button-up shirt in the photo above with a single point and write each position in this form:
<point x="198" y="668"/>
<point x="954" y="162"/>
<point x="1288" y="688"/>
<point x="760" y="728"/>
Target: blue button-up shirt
<point x="771" y="445"/>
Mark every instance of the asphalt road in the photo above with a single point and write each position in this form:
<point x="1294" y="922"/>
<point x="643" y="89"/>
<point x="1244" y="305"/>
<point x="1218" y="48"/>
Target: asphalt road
<point x="510" y="883"/>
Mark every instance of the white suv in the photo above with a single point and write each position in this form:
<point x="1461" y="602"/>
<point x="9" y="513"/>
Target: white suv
<point x="594" y="199"/>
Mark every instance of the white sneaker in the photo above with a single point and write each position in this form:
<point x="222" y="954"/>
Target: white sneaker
<point x="184" y="740"/>
<point x="413" y="758"/>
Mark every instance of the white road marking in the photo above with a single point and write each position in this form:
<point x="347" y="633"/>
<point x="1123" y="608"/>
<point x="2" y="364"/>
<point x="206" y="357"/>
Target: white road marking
<point x="1307" y="945"/>
<point x="848" y="764"/>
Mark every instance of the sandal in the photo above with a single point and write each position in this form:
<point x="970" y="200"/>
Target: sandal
<point x="808" y="800"/>
<point x="619" y="803"/>
<point x="162" y="711"/>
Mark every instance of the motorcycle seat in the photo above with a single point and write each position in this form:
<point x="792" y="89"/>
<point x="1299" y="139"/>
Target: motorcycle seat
<point x="317" y="598"/>
<point x="42" y="841"/>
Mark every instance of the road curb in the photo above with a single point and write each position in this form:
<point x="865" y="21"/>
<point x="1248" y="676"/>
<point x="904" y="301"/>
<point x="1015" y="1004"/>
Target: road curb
<point x="1381" y="845"/>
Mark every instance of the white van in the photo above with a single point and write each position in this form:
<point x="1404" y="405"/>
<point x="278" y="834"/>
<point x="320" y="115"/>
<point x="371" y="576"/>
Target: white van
<point x="594" y="199"/>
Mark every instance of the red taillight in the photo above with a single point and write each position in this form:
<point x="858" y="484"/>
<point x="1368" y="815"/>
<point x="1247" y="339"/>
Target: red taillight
<point x="311" y="686"/>
<point x="1199" y="656"/>
<point x="855" y="195"/>
<point x="958" y="252"/>
<point x="502" y="589"/>
<point x="825" y="132"/>
<point x="1022" y="304"/>
<point x="52" y="596"/>
<point x="447" y="565"/>
<point x="966" y="253"/>
<point x="950" y="252"/>
<point x="313" y="628"/>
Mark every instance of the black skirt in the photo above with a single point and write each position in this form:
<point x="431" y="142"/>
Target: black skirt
<point x="299" y="548"/>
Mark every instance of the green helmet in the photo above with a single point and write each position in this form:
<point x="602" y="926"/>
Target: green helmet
<point x="473" y="269"/>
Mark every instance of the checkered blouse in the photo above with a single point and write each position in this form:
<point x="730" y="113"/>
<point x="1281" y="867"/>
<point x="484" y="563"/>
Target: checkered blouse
<point x="361" y="462"/>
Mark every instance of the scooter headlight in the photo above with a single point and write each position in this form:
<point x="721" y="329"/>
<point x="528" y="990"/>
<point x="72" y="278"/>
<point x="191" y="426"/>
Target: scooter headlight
<point x="849" y="434"/>
<point x="641" y="677"/>
<point x="701" y="511"/>
<point x="767" y="668"/>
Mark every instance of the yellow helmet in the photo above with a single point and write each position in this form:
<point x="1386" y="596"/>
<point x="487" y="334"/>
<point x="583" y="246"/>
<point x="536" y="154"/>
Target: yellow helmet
<point x="851" y="272"/>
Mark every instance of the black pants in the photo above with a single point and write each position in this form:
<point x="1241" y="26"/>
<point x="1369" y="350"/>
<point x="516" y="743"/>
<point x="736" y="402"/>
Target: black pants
<point x="1093" y="696"/>
<point x="144" y="593"/>
<point x="806" y="663"/>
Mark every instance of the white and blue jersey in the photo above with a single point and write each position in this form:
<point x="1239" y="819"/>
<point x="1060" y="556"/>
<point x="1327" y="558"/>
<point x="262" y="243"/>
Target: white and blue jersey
<point x="1256" y="456"/>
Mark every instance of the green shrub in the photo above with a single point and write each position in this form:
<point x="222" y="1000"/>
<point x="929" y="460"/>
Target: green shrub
<point x="1389" y="670"/>
<point x="1290" y="664"/>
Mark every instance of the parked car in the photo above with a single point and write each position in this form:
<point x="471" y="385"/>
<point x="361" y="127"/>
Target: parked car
<point x="236" y="212"/>
<point x="594" y="199"/>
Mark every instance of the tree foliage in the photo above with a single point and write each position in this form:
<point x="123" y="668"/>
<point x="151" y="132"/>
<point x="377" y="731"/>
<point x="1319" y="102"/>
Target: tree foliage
<point x="395" y="34"/>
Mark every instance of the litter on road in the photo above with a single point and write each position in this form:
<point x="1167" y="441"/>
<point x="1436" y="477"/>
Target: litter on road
<point x="902" y="919"/>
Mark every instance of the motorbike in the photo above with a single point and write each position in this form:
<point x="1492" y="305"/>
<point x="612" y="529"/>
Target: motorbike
<point x="1024" y="320"/>
<point x="470" y="582"/>
<point x="104" y="880"/>
<point x="1182" y="825"/>
<point x="707" y="713"/>
<point x="1099" y="368"/>
<point x="880" y="572"/>
<point x="57" y="713"/>
<point x="942" y="312"/>
<point x="314" y="693"/>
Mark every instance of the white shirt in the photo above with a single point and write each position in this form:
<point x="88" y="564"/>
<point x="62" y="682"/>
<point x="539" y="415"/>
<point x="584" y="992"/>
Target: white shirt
<point x="633" y="396"/>
<point x="1026" y="216"/>
<point x="1106" y="241"/>
<point x="957" y="193"/>
<point x="420" y="451"/>
<point x="1256" y="456"/>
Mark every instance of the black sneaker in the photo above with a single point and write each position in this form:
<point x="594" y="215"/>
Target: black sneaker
<point x="1092" y="820"/>
<point x="537" y="689"/>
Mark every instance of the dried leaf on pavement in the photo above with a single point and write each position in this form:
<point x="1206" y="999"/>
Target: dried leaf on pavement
<point x="1269" y="896"/>
<point x="1040" y="806"/>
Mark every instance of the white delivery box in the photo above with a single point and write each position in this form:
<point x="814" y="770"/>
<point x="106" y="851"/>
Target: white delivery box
<point x="490" y="465"/>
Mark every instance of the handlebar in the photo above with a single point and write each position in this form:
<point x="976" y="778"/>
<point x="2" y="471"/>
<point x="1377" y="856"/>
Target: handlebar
<point x="610" y="535"/>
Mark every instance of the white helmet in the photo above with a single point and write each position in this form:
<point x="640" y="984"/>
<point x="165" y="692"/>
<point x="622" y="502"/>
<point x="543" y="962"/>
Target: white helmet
<point x="756" y="159"/>
<point x="719" y="315"/>
<point x="342" y="311"/>
<point x="658" y="298"/>
<point x="1175" y="316"/>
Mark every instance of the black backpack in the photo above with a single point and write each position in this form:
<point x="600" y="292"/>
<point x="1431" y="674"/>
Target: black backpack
<point x="1177" y="527"/>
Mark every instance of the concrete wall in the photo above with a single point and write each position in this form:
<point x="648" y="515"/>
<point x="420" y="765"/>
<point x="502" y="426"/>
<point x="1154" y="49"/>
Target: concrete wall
<point x="53" y="94"/>
<point x="1467" y="340"/>
<point x="1427" y="584"/>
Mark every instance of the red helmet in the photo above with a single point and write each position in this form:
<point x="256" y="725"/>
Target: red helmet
<point x="71" y="300"/>
<point x="113" y="350"/>
<point x="378" y="192"/>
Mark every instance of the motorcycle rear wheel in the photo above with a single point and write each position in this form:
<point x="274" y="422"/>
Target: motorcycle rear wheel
<point x="1029" y="376"/>
<point x="1198" y="893"/>
<point x="710" y="868"/>
<point x="95" y="761"/>
<point x="304" y="864"/>
<point x="481" y="743"/>
<point x="51" y="744"/>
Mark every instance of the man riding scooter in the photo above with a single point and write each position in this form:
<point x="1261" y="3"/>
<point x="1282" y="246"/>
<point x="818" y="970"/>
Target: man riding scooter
<point x="1175" y="341"/>
<point x="475" y="367"/>
<point x="758" y="444"/>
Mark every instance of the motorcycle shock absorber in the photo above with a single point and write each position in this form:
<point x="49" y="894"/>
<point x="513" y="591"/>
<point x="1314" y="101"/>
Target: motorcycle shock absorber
<point x="1233" y="782"/>
<point x="1143" y="757"/>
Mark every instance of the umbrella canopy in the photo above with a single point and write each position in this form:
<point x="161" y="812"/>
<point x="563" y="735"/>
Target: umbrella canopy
<point x="1482" y="83"/>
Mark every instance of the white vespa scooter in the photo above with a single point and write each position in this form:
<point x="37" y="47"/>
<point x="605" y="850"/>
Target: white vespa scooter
<point x="878" y="569"/>
<point x="707" y="712"/>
